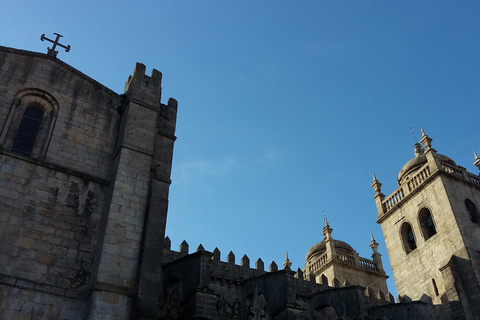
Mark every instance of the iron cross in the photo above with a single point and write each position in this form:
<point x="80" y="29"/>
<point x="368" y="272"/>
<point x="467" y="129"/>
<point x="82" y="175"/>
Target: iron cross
<point x="52" y="51"/>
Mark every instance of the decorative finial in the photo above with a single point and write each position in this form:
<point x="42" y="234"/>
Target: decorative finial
<point x="427" y="141"/>
<point x="373" y="243"/>
<point x="327" y="231"/>
<point x="376" y="185"/>
<point x="325" y="219"/>
<point x="287" y="264"/>
<point x="55" y="42"/>
<point x="477" y="160"/>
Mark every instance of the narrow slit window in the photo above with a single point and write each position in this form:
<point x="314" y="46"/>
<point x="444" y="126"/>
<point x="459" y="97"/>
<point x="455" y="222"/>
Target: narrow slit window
<point x="27" y="131"/>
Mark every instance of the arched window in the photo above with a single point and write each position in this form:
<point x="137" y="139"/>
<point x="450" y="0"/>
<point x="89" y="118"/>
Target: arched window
<point x="472" y="211"/>
<point x="408" y="238"/>
<point x="30" y="122"/>
<point x="27" y="131"/>
<point x="426" y="223"/>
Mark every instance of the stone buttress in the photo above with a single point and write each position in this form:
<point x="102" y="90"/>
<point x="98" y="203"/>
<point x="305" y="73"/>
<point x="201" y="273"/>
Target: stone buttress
<point x="129" y="266"/>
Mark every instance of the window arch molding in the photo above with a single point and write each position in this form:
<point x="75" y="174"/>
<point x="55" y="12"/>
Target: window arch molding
<point x="25" y="99"/>
<point x="426" y="222"/>
<point x="472" y="211"/>
<point x="408" y="237"/>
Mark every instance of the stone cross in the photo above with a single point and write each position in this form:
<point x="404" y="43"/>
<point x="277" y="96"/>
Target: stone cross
<point x="52" y="51"/>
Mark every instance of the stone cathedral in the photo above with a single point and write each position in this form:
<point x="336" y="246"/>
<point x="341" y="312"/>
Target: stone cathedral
<point x="84" y="183"/>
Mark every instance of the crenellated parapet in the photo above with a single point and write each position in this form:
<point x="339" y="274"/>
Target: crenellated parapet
<point x="257" y="269"/>
<point x="231" y="289"/>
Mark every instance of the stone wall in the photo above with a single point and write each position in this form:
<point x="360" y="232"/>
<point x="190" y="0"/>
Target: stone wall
<point x="73" y="206"/>
<point x="414" y="271"/>
<point x="52" y="201"/>
<point x="85" y="113"/>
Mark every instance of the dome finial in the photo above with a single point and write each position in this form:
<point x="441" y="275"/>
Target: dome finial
<point x="327" y="231"/>
<point x="325" y="219"/>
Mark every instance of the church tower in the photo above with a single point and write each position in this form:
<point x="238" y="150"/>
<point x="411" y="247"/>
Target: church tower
<point x="431" y="226"/>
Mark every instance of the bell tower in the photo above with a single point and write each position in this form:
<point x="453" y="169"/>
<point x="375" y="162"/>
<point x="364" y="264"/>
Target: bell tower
<point x="431" y="226"/>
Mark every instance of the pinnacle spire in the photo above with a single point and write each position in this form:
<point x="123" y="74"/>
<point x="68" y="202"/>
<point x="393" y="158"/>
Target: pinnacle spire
<point x="287" y="264"/>
<point x="477" y="160"/>
<point x="327" y="231"/>
<point x="376" y="185"/>
<point x="426" y="141"/>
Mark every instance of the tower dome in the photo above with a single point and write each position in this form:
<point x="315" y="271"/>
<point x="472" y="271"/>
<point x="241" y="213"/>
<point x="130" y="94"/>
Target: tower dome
<point x="413" y="165"/>
<point x="320" y="247"/>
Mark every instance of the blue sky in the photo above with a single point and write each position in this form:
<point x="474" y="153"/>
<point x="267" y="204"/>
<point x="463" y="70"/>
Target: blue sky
<point x="285" y="107"/>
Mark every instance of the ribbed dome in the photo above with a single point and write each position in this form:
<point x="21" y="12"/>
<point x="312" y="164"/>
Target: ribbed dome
<point x="319" y="248"/>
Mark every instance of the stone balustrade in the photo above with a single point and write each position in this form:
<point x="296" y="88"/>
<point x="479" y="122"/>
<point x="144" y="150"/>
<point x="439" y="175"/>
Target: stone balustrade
<point x="393" y="199"/>
<point x="344" y="258"/>
<point x="367" y="264"/>
<point x="424" y="173"/>
<point x="418" y="179"/>
<point x="452" y="170"/>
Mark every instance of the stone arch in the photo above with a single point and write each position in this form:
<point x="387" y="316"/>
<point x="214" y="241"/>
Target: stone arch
<point x="408" y="237"/>
<point x="426" y="222"/>
<point x="31" y="99"/>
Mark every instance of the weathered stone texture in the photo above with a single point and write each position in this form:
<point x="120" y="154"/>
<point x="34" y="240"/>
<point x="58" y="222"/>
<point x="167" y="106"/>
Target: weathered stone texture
<point x="84" y="135"/>
<point x="439" y="265"/>
<point x="49" y="224"/>
<point x="73" y="209"/>
<point x="18" y="303"/>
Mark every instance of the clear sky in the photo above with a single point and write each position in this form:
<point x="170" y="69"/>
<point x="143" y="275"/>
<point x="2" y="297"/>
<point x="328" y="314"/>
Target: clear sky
<point x="285" y="107"/>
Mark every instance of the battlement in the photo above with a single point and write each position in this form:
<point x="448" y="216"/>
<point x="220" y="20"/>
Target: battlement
<point x="229" y="273"/>
<point x="259" y="267"/>
<point x="140" y="87"/>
